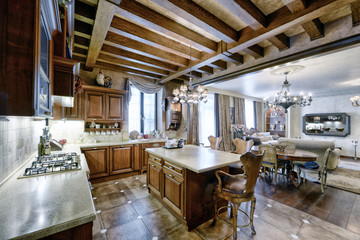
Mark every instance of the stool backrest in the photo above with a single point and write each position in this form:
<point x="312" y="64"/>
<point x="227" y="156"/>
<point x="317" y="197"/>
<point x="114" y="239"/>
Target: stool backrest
<point x="270" y="154"/>
<point x="215" y="142"/>
<point x="252" y="163"/>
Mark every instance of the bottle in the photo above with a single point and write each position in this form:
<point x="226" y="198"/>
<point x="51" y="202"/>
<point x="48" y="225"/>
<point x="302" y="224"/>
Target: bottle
<point x="41" y="147"/>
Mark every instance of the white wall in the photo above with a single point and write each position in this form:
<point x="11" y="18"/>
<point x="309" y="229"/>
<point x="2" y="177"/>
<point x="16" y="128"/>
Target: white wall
<point x="330" y="104"/>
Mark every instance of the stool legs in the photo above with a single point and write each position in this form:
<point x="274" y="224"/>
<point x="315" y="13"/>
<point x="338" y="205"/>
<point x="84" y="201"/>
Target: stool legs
<point x="235" y="207"/>
<point x="253" y="203"/>
<point x="215" y="209"/>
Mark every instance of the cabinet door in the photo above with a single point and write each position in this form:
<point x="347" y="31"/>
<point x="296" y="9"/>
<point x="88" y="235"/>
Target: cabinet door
<point x="136" y="157"/>
<point x="173" y="191"/>
<point x="95" y="105"/>
<point x="121" y="159"/>
<point x="154" y="177"/>
<point x="144" y="156"/>
<point x="75" y="112"/>
<point x="97" y="160"/>
<point x="114" y="107"/>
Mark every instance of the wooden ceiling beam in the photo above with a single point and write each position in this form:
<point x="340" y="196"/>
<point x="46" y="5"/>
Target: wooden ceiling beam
<point x="81" y="41"/>
<point x="85" y="10"/>
<point x="83" y="27"/>
<point x="150" y="18"/>
<point x="235" y="58"/>
<point x="80" y="46"/>
<point x="126" y="70"/>
<point x="295" y="6"/>
<point x="246" y="11"/>
<point x="104" y="15"/>
<point x="127" y="55"/>
<point x="206" y="69"/>
<point x="256" y="51"/>
<point x="219" y="64"/>
<point x="194" y="74"/>
<point x="84" y="19"/>
<point x="281" y="41"/>
<point x="136" y="32"/>
<point x="197" y="15"/>
<point x="144" y="48"/>
<point x="355" y="12"/>
<point x="130" y="64"/>
<point x="314" y="28"/>
<point x="80" y="50"/>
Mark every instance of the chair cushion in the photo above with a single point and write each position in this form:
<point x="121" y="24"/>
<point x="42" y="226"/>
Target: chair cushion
<point x="311" y="165"/>
<point x="234" y="185"/>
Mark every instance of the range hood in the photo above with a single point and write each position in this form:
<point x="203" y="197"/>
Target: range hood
<point x="64" y="84"/>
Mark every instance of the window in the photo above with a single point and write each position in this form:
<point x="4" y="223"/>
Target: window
<point x="142" y="111"/>
<point x="207" y="119"/>
<point x="249" y="113"/>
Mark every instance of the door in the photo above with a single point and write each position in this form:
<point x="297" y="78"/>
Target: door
<point x="154" y="177"/>
<point x="114" y="107"/>
<point x="173" y="190"/>
<point x="121" y="159"/>
<point x="97" y="160"/>
<point x="95" y="105"/>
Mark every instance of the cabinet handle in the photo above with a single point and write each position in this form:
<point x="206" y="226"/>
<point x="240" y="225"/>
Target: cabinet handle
<point x="122" y="146"/>
<point x="171" y="167"/>
<point x="95" y="148"/>
<point x="156" y="145"/>
<point x="171" y="176"/>
<point x="152" y="165"/>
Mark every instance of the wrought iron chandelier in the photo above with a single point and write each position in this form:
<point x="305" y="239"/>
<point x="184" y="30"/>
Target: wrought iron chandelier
<point x="283" y="99"/>
<point x="187" y="94"/>
<point x="355" y="100"/>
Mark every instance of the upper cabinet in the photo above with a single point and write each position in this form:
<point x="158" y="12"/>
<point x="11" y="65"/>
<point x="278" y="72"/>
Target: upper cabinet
<point x="26" y="48"/>
<point x="104" y="103"/>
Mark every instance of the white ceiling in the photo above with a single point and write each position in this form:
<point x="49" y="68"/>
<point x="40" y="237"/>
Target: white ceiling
<point x="329" y="74"/>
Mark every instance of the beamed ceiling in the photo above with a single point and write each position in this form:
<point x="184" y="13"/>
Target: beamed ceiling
<point x="153" y="38"/>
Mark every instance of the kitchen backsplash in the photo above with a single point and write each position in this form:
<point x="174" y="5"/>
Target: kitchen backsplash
<point x="19" y="138"/>
<point x="71" y="130"/>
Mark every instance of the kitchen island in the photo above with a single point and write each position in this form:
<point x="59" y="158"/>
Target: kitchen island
<point x="183" y="180"/>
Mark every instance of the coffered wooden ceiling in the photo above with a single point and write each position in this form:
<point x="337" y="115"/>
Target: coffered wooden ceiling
<point x="155" y="38"/>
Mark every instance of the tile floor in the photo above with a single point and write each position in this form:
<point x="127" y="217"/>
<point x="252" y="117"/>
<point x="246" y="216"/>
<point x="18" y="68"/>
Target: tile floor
<point x="125" y="210"/>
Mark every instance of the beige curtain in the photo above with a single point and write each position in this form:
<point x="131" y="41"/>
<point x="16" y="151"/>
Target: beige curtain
<point x="224" y="122"/>
<point x="239" y="105"/>
<point x="259" y="116"/>
<point x="195" y="119"/>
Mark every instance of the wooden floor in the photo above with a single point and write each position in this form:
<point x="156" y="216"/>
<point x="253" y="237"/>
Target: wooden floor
<point x="336" y="206"/>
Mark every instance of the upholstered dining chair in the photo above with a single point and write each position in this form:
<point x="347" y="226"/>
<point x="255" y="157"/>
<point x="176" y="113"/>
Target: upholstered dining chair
<point x="288" y="145"/>
<point x="322" y="172"/>
<point x="270" y="160"/>
<point x="215" y="142"/>
<point x="242" y="147"/>
<point x="238" y="189"/>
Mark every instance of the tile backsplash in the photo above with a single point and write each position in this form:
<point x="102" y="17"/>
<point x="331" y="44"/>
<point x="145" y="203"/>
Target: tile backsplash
<point x="19" y="138"/>
<point x="71" y="130"/>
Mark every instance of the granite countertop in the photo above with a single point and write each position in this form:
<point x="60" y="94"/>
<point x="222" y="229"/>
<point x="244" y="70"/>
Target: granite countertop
<point x="35" y="207"/>
<point x="195" y="158"/>
<point x="116" y="143"/>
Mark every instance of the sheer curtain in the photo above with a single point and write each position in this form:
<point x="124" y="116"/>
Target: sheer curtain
<point x="206" y="120"/>
<point x="239" y="105"/>
<point x="259" y="116"/>
<point x="224" y="124"/>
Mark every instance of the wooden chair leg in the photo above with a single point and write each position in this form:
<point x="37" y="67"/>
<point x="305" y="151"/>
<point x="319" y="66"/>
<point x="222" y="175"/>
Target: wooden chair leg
<point x="299" y="174"/>
<point x="275" y="170"/>
<point x="253" y="203"/>
<point x="235" y="207"/>
<point x="215" y="209"/>
<point x="283" y="173"/>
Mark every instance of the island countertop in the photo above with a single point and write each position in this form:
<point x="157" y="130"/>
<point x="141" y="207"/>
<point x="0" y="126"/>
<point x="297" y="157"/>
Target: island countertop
<point x="195" y="158"/>
<point x="35" y="207"/>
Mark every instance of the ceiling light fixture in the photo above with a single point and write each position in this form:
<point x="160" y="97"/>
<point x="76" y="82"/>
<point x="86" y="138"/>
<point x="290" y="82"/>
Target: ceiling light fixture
<point x="187" y="94"/>
<point x="355" y="100"/>
<point x="283" y="99"/>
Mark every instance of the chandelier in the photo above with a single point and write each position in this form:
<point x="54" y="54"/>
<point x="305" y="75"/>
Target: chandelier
<point x="283" y="99"/>
<point x="355" y="100"/>
<point x="187" y="94"/>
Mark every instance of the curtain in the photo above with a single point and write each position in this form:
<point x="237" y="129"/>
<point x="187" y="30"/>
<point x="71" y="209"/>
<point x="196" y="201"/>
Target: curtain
<point x="224" y="122"/>
<point x="145" y="87"/>
<point x="239" y="105"/>
<point x="195" y="124"/>
<point x="259" y="115"/>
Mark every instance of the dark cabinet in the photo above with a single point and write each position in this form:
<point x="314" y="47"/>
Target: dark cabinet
<point x="121" y="159"/>
<point x="94" y="105"/>
<point x="154" y="177"/>
<point x="26" y="48"/>
<point x="144" y="153"/>
<point x="114" y="107"/>
<point x="97" y="160"/>
<point x="76" y="112"/>
<point x="173" y="190"/>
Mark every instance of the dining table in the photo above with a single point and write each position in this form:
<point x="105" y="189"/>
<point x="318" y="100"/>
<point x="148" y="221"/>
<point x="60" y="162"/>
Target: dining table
<point x="292" y="156"/>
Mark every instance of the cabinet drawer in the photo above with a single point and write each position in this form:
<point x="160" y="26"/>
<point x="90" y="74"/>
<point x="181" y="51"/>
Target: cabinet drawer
<point x="153" y="145"/>
<point x="154" y="159"/>
<point x="171" y="174"/>
<point x="174" y="168"/>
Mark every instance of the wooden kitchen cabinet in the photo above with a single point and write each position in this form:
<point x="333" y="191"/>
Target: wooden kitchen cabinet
<point x="154" y="176"/>
<point x="26" y="48"/>
<point x="94" y="105"/>
<point x="114" y="107"/>
<point x="173" y="190"/>
<point x="121" y="159"/>
<point x="76" y="112"/>
<point x="98" y="161"/>
<point x="144" y="156"/>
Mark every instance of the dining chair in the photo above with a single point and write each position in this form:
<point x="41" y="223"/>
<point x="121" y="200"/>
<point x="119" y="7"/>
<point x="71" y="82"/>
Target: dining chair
<point x="238" y="189"/>
<point x="322" y="172"/>
<point x="215" y="142"/>
<point x="288" y="145"/>
<point x="242" y="147"/>
<point x="270" y="160"/>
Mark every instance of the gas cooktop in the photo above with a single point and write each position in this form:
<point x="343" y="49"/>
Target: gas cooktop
<point x="53" y="163"/>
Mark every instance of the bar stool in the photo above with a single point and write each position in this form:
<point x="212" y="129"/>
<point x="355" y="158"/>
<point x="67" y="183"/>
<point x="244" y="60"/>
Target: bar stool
<point x="238" y="189"/>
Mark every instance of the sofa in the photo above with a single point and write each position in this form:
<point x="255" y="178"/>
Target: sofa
<point x="318" y="147"/>
<point x="262" y="138"/>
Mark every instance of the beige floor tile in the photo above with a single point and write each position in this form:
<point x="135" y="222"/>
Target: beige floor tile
<point x="111" y="200"/>
<point x="107" y="189"/>
<point x="182" y="234"/>
<point x="160" y="222"/>
<point x="96" y="225"/>
<point x="211" y="232"/>
<point x="134" y="230"/>
<point x="118" y="215"/>
<point x="146" y="205"/>
<point x="354" y="220"/>
<point x="137" y="193"/>
<point x="265" y="231"/>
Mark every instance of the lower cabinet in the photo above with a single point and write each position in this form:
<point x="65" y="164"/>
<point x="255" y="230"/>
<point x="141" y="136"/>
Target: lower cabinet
<point x="121" y="159"/>
<point x="173" y="190"/>
<point x="144" y="156"/>
<point x="154" y="177"/>
<point x="97" y="160"/>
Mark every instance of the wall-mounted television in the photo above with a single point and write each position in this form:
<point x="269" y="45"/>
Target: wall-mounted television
<point x="327" y="124"/>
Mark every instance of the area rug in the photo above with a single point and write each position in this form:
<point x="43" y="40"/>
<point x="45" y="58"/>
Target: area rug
<point x="346" y="176"/>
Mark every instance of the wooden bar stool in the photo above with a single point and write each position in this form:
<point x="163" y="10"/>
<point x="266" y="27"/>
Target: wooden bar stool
<point x="238" y="189"/>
